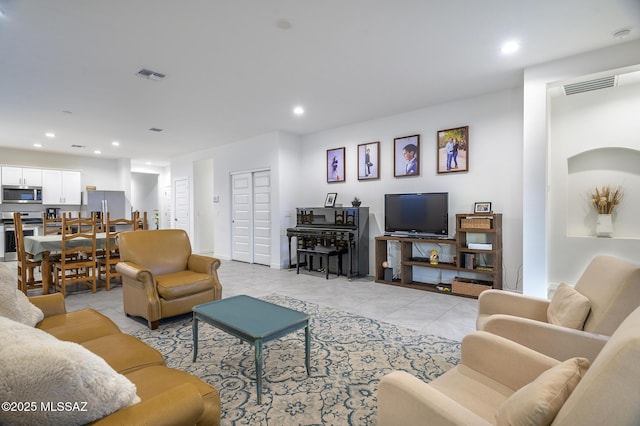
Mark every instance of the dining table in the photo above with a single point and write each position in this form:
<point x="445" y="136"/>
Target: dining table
<point x="41" y="247"/>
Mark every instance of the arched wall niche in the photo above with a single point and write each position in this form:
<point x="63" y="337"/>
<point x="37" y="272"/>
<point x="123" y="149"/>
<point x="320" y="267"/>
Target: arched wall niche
<point x="608" y="166"/>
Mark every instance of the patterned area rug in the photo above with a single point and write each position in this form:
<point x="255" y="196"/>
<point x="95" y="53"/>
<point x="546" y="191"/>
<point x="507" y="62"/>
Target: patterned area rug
<point x="349" y="356"/>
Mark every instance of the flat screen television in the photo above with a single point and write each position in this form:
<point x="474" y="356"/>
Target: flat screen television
<point x="420" y="215"/>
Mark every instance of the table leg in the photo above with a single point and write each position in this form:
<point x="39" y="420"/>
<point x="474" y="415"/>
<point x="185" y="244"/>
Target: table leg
<point x="194" y="328"/>
<point x="46" y="272"/>
<point x="259" y="369"/>
<point x="307" y="336"/>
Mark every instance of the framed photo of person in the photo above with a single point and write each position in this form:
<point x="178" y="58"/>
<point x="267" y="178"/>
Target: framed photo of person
<point x="330" y="201"/>
<point x="452" y="150"/>
<point x="406" y="156"/>
<point x="335" y="165"/>
<point x="482" y="207"/>
<point x="369" y="161"/>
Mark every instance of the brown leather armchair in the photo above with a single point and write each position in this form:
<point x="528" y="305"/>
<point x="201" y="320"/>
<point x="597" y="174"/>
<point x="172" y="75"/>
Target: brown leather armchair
<point x="161" y="278"/>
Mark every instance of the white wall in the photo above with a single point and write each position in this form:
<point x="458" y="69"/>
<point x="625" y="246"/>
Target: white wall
<point x="593" y="141"/>
<point x="144" y="195"/>
<point x="203" y="212"/>
<point x="495" y="165"/>
<point x="535" y="138"/>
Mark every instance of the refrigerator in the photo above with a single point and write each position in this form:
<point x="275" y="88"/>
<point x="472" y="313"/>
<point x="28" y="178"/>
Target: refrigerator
<point x="107" y="201"/>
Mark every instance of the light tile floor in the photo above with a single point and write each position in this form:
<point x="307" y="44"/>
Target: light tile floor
<point x="444" y="315"/>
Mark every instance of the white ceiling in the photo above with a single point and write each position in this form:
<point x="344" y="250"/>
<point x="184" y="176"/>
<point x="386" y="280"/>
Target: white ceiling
<point x="69" y="66"/>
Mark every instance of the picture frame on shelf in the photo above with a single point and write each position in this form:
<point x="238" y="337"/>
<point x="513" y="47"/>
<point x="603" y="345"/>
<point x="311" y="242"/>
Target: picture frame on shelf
<point x="406" y="156"/>
<point x="452" y="150"/>
<point x="482" y="207"/>
<point x="369" y="161"/>
<point x="335" y="165"/>
<point x="330" y="200"/>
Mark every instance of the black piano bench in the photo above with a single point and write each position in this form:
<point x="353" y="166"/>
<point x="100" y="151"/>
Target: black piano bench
<point x="325" y="253"/>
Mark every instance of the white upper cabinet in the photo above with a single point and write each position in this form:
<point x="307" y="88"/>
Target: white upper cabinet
<point x="61" y="187"/>
<point x="21" y="176"/>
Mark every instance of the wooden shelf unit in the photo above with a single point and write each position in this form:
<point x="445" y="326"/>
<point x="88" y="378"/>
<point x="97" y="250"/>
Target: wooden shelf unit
<point x="490" y="233"/>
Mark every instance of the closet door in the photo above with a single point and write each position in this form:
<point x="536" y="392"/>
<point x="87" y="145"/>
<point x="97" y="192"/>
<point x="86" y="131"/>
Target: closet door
<point x="251" y="217"/>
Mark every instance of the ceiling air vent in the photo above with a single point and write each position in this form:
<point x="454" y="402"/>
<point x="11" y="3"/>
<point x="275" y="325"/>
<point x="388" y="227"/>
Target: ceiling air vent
<point x="155" y="129"/>
<point x="75" y="145"/>
<point x="151" y="75"/>
<point x="588" y="86"/>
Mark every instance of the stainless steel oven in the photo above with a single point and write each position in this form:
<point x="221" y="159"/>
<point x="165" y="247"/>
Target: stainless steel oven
<point x="30" y="223"/>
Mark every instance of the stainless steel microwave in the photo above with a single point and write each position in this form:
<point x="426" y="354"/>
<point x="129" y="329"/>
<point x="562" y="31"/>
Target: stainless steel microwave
<point x="19" y="194"/>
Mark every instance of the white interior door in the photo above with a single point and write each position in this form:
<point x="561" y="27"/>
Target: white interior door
<point x="262" y="217"/>
<point x="181" y="202"/>
<point x="241" y="217"/>
<point x="251" y="217"/>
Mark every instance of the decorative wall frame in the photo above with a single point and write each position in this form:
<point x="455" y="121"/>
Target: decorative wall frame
<point x="406" y="156"/>
<point x="369" y="161"/>
<point x="330" y="201"/>
<point x="335" y="165"/>
<point x="452" y="150"/>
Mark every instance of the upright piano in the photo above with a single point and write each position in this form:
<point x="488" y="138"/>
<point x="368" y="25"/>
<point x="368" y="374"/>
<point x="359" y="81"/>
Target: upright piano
<point x="342" y="228"/>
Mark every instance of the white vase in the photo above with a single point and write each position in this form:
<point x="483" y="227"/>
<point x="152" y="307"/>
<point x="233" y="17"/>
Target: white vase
<point x="604" y="225"/>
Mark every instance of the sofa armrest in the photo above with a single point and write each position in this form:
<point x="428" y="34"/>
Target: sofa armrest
<point x="138" y="273"/>
<point x="503" y="360"/>
<point x="553" y="340"/>
<point x="181" y="405"/>
<point x="491" y="302"/>
<point x="408" y="401"/>
<point x="50" y="304"/>
<point x="203" y="264"/>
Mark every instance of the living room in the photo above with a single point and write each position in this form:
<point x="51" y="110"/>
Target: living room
<point x="529" y="152"/>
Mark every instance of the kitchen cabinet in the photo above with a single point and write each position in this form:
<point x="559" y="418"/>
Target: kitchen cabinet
<point x="61" y="187"/>
<point x="24" y="176"/>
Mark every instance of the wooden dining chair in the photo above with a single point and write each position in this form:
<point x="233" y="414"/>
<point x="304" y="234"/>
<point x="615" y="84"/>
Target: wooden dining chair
<point x="26" y="264"/>
<point x="77" y="262"/>
<point x="107" y="263"/>
<point x="140" y="221"/>
<point x="51" y="226"/>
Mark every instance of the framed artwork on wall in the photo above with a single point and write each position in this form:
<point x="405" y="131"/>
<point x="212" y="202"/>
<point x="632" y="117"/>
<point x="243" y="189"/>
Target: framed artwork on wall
<point x="369" y="161"/>
<point x="406" y="156"/>
<point x="452" y="150"/>
<point x="335" y="165"/>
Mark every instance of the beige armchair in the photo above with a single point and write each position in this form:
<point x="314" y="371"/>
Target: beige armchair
<point x="502" y="382"/>
<point x="611" y="285"/>
<point x="161" y="278"/>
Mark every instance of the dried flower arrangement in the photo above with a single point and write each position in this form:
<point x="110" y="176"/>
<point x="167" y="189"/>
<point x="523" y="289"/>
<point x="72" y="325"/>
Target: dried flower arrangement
<point x="606" y="198"/>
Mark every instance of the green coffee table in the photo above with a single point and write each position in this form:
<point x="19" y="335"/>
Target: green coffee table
<point x="254" y="321"/>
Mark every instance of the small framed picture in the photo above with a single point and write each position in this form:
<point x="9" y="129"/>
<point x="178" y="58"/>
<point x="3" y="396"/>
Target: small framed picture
<point x="369" y="161"/>
<point x="335" y="165"/>
<point x="483" y="207"/>
<point x="452" y="150"/>
<point x="330" y="201"/>
<point x="406" y="156"/>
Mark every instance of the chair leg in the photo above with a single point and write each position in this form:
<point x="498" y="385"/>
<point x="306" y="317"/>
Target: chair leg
<point x="153" y="325"/>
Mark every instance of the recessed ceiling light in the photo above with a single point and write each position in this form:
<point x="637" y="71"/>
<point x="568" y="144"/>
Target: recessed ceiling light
<point x="148" y="163"/>
<point x="97" y="151"/>
<point x="510" y="47"/>
<point x="298" y="111"/>
<point x="115" y="143"/>
<point x="284" y="24"/>
<point x="37" y="145"/>
<point x="50" y="135"/>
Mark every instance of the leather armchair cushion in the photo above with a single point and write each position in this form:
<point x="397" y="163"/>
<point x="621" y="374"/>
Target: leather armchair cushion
<point x="124" y="353"/>
<point x="152" y="381"/>
<point x="184" y="283"/>
<point x="79" y="326"/>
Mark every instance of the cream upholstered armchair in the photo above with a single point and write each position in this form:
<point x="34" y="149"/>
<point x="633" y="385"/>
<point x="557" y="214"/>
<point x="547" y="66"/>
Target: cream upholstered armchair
<point x="576" y="321"/>
<point x="161" y="278"/>
<point x="500" y="382"/>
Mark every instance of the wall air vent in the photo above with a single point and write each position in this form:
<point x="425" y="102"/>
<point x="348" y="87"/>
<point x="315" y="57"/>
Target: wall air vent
<point x="588" y="86"/>
<point x="151" y="75"/>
